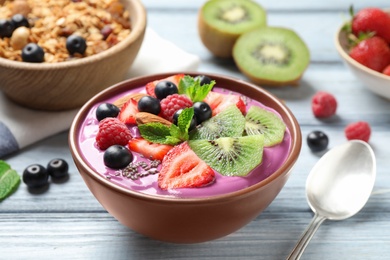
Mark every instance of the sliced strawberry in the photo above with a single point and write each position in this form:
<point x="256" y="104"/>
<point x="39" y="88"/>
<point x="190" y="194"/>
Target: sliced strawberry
<point x="128" y="111"/>
<point x="218" y="102"/>
<point x="182" y="168"/>
<point x="152" y="85"/>
<point x="150" y="150"/>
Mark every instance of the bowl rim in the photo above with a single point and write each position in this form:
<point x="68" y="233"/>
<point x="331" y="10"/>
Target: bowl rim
<point x="136" y="32"/>
<point x="295" y="148"/>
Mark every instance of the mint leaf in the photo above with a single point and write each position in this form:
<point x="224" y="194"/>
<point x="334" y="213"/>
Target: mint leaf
<point x="158" y="133"/>
<point x="9" y="180"/>
<point x="192" y="88"/>
<point x="184" y="120"/>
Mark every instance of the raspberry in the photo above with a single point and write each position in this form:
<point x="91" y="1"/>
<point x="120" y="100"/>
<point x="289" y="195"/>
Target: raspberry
<point x="172" y="103"/>
<point x="112" y="131"/>
<point x="323" y="104"/>
<point x="359" y="130"/>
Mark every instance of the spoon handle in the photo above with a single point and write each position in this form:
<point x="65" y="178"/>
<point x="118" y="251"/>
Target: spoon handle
<point x="315" y="223"/>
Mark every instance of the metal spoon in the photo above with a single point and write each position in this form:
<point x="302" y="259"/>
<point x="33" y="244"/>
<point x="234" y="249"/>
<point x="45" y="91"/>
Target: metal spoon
<point x="338" y="187"/>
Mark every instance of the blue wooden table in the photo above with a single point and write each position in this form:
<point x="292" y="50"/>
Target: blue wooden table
<point x="67" y="222"/>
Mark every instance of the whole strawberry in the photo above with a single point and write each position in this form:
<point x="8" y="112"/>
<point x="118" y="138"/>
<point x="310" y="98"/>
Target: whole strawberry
<point x="373" y="53"/>
<point x="372" y="20"/>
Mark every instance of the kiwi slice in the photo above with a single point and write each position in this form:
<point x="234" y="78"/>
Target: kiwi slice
<point x="230" y="156"/>
<point x="260" y="121"/>
<point x="228" y="123"/>
<point x="271" y="56"/>
<point x="221" y="22"/>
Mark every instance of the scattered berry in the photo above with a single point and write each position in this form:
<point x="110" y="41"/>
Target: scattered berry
<point x="165" y="88"/>
<point x="112" y="131"/>
<point x="219" y="102"/>
<point x="175" y="79"/>
<point x="33" y="53"/>
<point x="152" y="151"/>
<point x="128" y="111"/>
<point x="6" y="28"/>
<point x="58" y="168"/>
<point x="76" y="44"/>
<point x="323" y="104"/>
<point x="20" y="20"/>
<point x="149" y="104"/>
<point x="372" y="20"/>
<point x="203" y="79"/>
<point x="175" y="120"/>
<point x="386" y="71"/>
<point x="373" y="53"/>
<point x="317" y="141"/>
<point x="35" y="176"/>
<point x="106" y="110"/>
<point x="359" y="130"/>
<point x="117" y="157"/>
<point x="202" y="111"/>
<point x="172" y="103"/>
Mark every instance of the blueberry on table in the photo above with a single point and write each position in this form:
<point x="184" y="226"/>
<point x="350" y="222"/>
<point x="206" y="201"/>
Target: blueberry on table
<point x="203" y="79"/>
<point x="202" y="111"/>
<point x="20" y="20"/>
<point x="149" y="104"/>
<point x="175" y="120"/>
<point x="58" y="168"/>
<point x="117" y="157"/>
<point x="35" y="176"/>
<point x="106" y="110"/>
<point x="7" y="27"/>
<point x="76" y="44"/>
<point x="317" y="141"/>
<point x="33" y="53"/>
<point x="165" y="88"/>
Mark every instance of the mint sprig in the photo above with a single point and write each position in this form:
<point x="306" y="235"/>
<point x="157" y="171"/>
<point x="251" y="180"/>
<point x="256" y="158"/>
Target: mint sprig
<point x="171" y="135"/>
<point x="9" y="180"/>
<point x="192" y="88"/>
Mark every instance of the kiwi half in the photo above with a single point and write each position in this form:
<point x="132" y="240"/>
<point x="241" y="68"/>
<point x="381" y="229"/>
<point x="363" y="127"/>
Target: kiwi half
<point x="260" y="121"/>
<point x="221" y="22"/>
<point x="230" y="156"/>
<point x="271" y="56"/>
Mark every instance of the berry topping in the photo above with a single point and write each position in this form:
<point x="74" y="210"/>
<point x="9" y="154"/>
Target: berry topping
<point x="203" y="79"/>
<point x="317" y="141"/>
<point x="359" y="130"/>
<point x="175" y="79"/>
<point x="76" y="44"/>
<point x="165" y="88"/>
<point x="106" y="110"/>
<point x="33" y="53"/>
<point x="152" y="151"/>
<point x="20" y="20"/>
<point x="128" y="111"/>
<point x="149" y="104"/>
<point x="117" y="157"/>
<point x="35" y="176"/>
<point x="175" y="120"/>
<point x="112" y="131"/>
<point x="6" y="28"/>
<point x="372" y="20"/>
<point x="323" y="104"/>
<point x="202" y="111"/>
<point x="219" y="102"/>
<point x="182" y="168"/>
<point x="172" y="103"/>
<point x="58" y="168"/>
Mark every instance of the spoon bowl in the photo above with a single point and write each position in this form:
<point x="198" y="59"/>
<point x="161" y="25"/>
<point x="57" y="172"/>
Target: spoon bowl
<point x="338" y="186"/>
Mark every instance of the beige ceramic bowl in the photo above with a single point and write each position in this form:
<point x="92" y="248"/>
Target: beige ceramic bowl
<point x="373" y="80"/>
<point x="181" y="220"/>
<point x="70" y="84"/>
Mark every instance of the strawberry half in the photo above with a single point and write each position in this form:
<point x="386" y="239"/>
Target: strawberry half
<point x="152" y="85"/>
<point x="150" y="150"/>
<point x="182" y="168"/>
<point x="128" y="111"/>
<point x="219" y="102"/>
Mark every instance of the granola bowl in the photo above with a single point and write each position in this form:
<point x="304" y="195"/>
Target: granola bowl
<point x="186" y="215"/>
<point x="68" y="84"/>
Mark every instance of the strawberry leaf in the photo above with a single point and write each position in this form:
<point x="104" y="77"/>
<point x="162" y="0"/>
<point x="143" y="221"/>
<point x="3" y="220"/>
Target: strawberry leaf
<point x="192" y="88"/>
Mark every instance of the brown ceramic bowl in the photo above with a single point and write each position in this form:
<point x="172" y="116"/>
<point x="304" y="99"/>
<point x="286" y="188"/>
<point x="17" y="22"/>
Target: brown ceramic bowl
<point x="185" y="220"/>
<point x="69" y="84"/>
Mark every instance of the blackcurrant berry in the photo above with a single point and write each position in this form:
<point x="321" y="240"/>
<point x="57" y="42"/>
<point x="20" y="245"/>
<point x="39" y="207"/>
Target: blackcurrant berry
<point x="33" y="53"/>
<point x="149" y="104"/>
<point x="35" y="176"/>
<point x="20" y="20"/>
<point x="175" y="119"/>
<point x="76" y="44"/>
<point x="117" y="157"/>
<point x="203" y="79"/>
<point x="317" y="141"/>
<point x="58" y="168"/>
<point x="165" y="88"/>
<point x="202" y="111"/>
<point x="7" y="27"/>
<point x="106" y="110"/>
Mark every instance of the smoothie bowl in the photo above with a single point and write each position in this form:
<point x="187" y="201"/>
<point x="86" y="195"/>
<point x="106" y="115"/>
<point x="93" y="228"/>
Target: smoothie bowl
<point x="182" y="157"/>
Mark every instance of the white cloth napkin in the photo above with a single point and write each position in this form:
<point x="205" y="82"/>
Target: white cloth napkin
<point x="20" y="126"/>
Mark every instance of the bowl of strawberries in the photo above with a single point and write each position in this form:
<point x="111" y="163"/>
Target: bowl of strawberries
<point x="364" y="45"/>
<point x="183" y="157"/>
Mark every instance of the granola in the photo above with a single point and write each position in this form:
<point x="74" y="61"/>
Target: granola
<point x="102" y="23"/>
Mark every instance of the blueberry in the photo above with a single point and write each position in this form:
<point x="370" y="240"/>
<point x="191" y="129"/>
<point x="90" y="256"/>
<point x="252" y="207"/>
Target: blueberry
<point x="7" y="27"/>
<point x="175" y="119"/>
<point x="35" y="176"/>
<point x="202" y="111"/>
<point x="149" y="104"/>
<point x="58" y="168"/>
<point x="76" y="44"/>
<point x="20" y="20"/>
<point x="117" y="157"/>
<point x="317" y="141"/>
<point x="203" y="79"/>
<point x="33" y="53"/>
<point x="106" y="110"/>
<point x="165" y="88"/>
